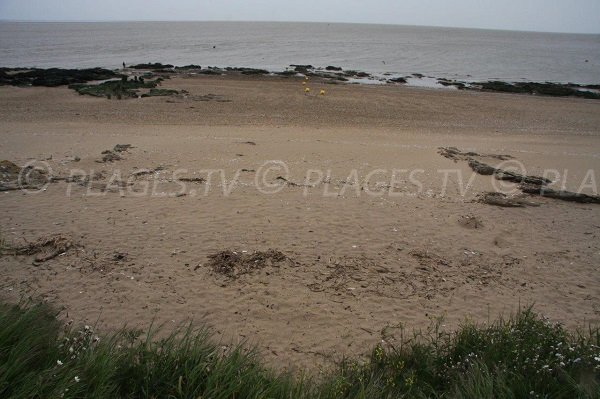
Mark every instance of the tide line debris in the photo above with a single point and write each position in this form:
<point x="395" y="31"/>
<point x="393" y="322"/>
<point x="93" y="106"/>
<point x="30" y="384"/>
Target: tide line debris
<point x="44" y="248"/>
<point x="236" y="264"/>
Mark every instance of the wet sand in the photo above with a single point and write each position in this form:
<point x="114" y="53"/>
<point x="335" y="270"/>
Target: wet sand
<point x="356" y="261"/>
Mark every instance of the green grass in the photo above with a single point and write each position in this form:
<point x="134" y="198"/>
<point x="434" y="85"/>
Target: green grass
<point x="523" y="357"/>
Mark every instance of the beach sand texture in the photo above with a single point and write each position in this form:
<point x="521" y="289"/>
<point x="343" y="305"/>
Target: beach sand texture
<point x="354" y="263"/>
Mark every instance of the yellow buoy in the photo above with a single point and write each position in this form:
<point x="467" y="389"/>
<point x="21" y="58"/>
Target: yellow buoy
<point x="322" y="92"/>
<point x="307" y="90"/>
<point x="303" y="83"/>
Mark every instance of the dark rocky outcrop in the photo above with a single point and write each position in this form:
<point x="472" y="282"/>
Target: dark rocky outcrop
<point x="457" y="155"/>
<point x="481" y="168"/>
<point x="211" y="71"/>
<point x="533" y="185"/>
<point x="154" y="66"/>
<point x="519" y="178"/>
<point x="53" y="77"/>
<point x="502" y="200"/>
<point x="448" y="82"/>
<point x="500" y="174"/>
<point x="187" y="67"/>
<point x="248" y="71"/>
<point x="302" y="68"/>
<point x="357" y="74"/>
<point x="115" y="88"/>
<point x="286" y="73"/>
<point x="545" y="89"/>
<point x="328" y="76"/>
<point x="559" y="194"/>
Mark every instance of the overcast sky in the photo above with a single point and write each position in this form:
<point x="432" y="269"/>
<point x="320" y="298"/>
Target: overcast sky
<point x="580" y="16"/>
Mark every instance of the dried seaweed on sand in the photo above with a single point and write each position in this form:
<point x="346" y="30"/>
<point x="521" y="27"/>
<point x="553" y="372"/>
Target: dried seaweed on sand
<point x="235" y="264"/>
<point x="44" y="248"/>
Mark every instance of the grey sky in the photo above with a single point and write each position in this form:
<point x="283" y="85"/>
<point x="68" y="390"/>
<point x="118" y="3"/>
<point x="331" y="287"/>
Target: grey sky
<point x="580" y="16"/>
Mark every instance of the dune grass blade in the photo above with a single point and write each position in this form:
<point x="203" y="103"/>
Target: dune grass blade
<point x="524" y="356"/>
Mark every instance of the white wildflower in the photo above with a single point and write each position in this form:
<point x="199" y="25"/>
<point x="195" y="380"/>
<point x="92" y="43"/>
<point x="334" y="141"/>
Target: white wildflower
<point x="59" y="363"/>
<point x="77" y="379"/>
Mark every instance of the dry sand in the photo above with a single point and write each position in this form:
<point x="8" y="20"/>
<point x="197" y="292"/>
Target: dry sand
<point x="356" y="263"/>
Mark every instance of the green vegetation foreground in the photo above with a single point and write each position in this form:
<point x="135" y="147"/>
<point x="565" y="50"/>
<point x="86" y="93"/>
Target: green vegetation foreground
<point x="523" y="357"/>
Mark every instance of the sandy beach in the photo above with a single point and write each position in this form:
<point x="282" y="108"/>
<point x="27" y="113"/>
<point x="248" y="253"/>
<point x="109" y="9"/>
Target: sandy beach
<point x="368" y="224"/>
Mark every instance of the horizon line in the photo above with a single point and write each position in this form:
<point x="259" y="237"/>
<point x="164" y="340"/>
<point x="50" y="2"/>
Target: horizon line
<point x="287" y="21"/>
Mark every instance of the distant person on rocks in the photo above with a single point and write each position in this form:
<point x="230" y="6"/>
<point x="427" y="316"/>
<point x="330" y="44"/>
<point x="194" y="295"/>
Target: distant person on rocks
<point x="124" y="66"/>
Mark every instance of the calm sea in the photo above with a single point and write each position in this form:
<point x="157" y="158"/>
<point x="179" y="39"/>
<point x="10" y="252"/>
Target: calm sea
<point x="464" y="54"/>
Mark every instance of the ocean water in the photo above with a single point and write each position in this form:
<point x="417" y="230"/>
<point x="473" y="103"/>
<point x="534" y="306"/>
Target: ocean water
<point x="463" y="54"/>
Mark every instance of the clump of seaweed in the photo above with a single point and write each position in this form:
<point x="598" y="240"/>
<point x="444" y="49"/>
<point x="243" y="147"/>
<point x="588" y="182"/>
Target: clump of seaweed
<point x="235" y="264"/>
<point x="44" y="248"/>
